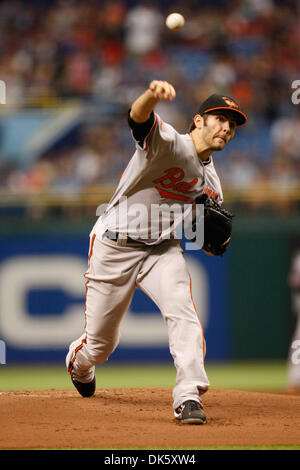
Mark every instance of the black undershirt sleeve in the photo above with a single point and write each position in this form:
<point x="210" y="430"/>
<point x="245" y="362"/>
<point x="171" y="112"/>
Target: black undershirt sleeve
<point x="140" y="130"/>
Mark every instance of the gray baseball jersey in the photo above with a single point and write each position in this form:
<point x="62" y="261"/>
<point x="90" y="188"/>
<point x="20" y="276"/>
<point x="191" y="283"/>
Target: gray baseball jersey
<point x="165" y="171"/>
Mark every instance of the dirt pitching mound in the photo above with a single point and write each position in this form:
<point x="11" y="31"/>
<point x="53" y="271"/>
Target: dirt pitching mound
<point x="143" y="418"/>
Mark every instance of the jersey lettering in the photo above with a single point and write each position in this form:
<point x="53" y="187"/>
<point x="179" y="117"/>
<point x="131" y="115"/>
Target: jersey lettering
<point x="170" y="178"/>
<point x="173" y="179"/>
<point x="210" y="192"/>
<point x="183" y="186"/>
<point x="168" y="194"/>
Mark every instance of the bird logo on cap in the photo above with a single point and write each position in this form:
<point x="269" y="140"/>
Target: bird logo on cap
<point x="230" y="102"/>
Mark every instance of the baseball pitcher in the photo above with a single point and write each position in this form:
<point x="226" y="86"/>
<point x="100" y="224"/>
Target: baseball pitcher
<point x="128" y="251"/>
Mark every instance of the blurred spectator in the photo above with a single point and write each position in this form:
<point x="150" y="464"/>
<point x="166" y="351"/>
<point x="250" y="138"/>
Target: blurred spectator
<point x="282" y="172"/>
<point x="143" y="28"/>
<point x="221" y="75"/>
<point x="104" y="53"/>
<point x="285" y="135"/>
<point x="240" y="171"/>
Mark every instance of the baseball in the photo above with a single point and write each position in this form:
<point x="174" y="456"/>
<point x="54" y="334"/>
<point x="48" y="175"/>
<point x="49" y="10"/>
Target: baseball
<point x="175" y="21"/>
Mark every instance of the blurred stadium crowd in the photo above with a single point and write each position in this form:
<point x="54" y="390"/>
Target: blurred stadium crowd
<point x="101" y="54"/>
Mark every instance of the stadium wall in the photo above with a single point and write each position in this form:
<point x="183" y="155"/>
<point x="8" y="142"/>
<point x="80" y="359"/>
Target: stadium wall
<point x="242" y="298"/>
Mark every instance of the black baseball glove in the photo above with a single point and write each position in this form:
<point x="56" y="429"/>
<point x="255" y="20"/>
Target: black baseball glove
<point x="217" y="225"/>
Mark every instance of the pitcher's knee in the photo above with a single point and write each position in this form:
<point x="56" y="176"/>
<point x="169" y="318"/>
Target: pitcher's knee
<point x="100" y="351"/>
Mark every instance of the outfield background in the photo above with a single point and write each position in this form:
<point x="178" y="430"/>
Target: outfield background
<point x="243" y="300"/>
<point x="71" y="71"/>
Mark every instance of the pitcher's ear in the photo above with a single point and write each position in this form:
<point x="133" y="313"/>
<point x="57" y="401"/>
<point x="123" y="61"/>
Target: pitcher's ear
<point x="198" y="121"/>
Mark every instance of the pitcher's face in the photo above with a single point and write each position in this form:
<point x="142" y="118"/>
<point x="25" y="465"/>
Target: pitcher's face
<point x="217" y="130"/>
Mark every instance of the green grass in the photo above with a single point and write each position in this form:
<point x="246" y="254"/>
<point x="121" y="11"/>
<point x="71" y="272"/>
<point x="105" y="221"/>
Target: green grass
<point x="237" y="375"/>
<point x="248" y="375"/>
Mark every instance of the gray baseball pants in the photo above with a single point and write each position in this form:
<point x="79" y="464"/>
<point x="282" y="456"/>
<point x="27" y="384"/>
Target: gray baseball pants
<point x="161" y="272"/>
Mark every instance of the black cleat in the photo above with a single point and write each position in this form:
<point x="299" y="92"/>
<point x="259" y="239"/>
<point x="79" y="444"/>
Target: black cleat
<point x="190" y="412"/>
<point x="85" y="389"/>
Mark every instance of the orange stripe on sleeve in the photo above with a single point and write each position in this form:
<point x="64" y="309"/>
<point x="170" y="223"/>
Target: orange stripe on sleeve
<point x="150" y="133"/>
